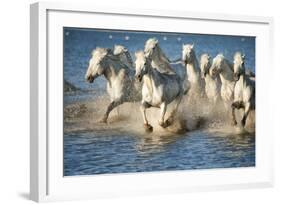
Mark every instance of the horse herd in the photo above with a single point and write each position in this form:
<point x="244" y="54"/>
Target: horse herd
<point x="152" y="80"/>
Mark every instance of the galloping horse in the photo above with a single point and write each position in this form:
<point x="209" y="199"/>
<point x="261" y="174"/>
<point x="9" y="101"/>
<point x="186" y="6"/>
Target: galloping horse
<point x="212" y="84"/>
<point x="244" y="91"/>
<point x="223" y="68"/>
<point x="158" y="90"/>
<point x="120" y="79"/>
<point x="193" y="71"/>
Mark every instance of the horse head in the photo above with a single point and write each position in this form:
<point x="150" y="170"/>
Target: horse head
<point x="150" y="47"/>
<point x="153" y="51"/>
<point x="238" y="65"/>
<point x="97" y="63"/>
<point x="142" y="64"/>
<point x="218" y="65"/>
<point x="205" y="65"/>
<point x="188" y="53"/>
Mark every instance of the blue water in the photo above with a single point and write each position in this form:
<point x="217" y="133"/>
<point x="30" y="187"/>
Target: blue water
<point x="87" y="153"/>
<point x="98" y="152"/>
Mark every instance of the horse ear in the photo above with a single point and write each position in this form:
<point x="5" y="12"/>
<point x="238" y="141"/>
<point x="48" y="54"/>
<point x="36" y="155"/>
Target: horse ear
<point x="192" y="45"/>
<point x="243" y="56"/>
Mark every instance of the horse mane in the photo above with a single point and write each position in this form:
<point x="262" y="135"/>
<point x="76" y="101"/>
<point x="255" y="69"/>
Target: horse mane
<point x="161" y="55"/>
<point x="238" y="56"/>
<point x="153" y="42"/>
<point x="221" y="57"/>
<point x="196" y="62"/>
<point x="99" y="52"/>
<point x="139" y="54"/>
<point x="205" y="58"/>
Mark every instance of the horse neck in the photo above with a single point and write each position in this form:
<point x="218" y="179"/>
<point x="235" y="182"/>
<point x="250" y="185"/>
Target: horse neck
<point x="158" y="62"/>
<point x="111" y="70"/>
<point x="148" y="79"/>
<point x="126" y="59"/>
<point x="227" y="74"/>
<point x="192" y="71"/>
<point x="242" y="79"/>
<point x="209" y="78"/>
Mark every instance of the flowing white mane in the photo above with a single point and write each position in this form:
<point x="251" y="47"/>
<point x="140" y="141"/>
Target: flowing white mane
<point x="99" y="53"/>
<point x="238" y="58"/>
<point x="124" y="55"/>
<point x="205" y="59"/>
<point x="139" y="55"/>
<point x="205" y="62"/>
<point x="217" y="61"/>
<point x="159" y="60"/>
<point x="151" y="44"/>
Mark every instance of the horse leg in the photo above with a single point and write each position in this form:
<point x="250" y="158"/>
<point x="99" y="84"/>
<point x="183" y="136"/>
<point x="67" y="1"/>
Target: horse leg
<point x="110" y="107"/>
<point x="117" y="111"/>
<point x="163" y="108"/>
<point x="246" y="113"/>
<point x="234" y="105"/>
<point x="170" y="119"/>
<point x="143" y="107"/>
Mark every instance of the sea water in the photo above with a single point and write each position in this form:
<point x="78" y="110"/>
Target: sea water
<point x="102" y="151"/>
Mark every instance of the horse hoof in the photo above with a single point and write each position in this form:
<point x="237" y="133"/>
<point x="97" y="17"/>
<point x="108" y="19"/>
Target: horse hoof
<point x="233" y="123"/>
<point x="164" y="124"/>
<point x="169" y="121"/>
<point x="148" y="128"/>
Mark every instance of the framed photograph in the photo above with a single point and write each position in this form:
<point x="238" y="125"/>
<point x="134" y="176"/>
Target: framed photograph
<point x="127" y="102"/>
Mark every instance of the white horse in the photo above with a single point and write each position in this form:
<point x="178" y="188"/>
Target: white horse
<point x="244" y="91"/>
<point x="120" y="79"/>
<point x="223" y="68"/>
<point x="192" y="71"/>
<point x="159" y="60"/>
<point x="212" y="84"/>
<point x="158" y="90"/>
<point x="124" y="55"/>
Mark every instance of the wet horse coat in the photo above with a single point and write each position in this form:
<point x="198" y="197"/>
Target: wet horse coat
<point x="158" y="90"/>
<point x="120" y="81"/>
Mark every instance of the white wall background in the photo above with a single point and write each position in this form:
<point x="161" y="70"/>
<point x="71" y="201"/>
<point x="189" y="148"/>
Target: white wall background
<point x="14" y="101"/>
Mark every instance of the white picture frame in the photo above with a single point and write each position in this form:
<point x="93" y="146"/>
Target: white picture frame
<point x="46" y="179"/>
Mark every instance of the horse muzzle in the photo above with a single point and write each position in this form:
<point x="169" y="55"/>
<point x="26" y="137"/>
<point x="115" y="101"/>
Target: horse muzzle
<point x="90" y="79"/>
<point x="138" y="78"/>
<point x="236" y="76"/>
<point x="203" y="75"/>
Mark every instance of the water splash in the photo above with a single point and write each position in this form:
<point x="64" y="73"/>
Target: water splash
<point x="192" y="115"/>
